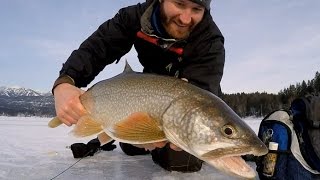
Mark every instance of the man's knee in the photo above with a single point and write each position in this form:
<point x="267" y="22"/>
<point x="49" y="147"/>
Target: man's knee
<point x="172" y="160"/>
<point x="131" y="150"/>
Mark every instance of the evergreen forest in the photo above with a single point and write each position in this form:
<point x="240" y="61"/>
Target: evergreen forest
<point x="260" y="104"/>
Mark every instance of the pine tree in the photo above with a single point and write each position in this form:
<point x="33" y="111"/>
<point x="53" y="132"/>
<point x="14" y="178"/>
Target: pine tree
<point x="316" y="83"/>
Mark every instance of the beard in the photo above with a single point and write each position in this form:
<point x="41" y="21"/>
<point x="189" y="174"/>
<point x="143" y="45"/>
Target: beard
<point x="174" y="27"/>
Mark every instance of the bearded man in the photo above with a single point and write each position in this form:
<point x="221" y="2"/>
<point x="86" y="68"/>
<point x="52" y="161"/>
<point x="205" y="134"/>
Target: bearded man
<point x="172" y="37"/>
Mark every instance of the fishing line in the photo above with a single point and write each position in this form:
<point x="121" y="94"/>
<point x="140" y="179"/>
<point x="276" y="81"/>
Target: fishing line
<point x="72" y="164"/>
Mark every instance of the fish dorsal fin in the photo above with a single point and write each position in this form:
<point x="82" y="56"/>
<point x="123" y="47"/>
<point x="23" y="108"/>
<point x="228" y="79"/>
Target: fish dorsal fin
<point x="138" y="128"/>
<point x="86" y="126"/>
<point x="127" y="68"/>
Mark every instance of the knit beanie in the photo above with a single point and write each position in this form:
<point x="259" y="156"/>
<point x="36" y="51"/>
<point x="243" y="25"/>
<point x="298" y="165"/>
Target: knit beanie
<point x="205" y="3"/>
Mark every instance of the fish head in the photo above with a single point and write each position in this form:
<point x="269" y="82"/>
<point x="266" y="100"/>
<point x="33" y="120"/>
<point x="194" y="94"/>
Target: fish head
<point x="220" y="137"/>
<point x="217" y="135"/>
<point x="219" y="132"/>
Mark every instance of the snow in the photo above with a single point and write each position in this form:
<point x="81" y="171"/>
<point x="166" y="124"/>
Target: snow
<point x="31" y="150"/>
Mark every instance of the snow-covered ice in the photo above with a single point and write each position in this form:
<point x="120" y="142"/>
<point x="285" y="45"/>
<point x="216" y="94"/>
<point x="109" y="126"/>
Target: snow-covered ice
<point x="31" y="150"/>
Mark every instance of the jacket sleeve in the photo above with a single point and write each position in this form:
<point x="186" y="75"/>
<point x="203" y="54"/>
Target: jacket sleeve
<point x="206" y="68"/>
<point x="108" y="43"/>
<point x="206" y="57"/>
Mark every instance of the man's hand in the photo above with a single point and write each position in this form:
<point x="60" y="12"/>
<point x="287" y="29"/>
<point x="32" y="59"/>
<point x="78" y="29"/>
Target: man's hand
<point x="67" y="103"/>
<point x="152" y="146"/>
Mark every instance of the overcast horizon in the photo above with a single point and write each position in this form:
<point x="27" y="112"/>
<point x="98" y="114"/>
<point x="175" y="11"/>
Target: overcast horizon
<point x="269" y="45"/>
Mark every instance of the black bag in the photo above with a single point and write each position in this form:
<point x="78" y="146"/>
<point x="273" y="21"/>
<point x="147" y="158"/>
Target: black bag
<point x="277" y="127"/>
<point x="306" y="120"/>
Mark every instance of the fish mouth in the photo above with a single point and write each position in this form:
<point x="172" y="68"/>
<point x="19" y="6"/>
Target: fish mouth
<point x="229" y="160"/>
<point x="222" y="152"/>
<point x="233" y="165"/>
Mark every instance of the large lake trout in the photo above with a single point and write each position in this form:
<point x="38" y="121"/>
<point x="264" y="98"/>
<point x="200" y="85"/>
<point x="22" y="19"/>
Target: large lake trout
<point x="140" y="108"/>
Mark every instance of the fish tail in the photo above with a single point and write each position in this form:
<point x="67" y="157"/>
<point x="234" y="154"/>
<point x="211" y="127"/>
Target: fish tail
<point x="55" y="122"/>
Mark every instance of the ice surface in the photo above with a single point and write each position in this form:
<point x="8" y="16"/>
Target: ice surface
<point x="31" y="150"/>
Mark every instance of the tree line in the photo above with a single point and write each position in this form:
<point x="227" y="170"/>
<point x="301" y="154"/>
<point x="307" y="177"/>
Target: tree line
<point x="244" y="104"/>
<point x="260" y="104"/>
<point x="42" y="106"/>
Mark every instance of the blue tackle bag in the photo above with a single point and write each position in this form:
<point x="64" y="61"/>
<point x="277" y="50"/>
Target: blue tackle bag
<point x="286" y="160"/>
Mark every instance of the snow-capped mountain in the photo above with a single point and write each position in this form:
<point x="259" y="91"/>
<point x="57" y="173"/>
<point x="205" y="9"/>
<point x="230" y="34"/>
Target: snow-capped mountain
<point x="18" y="91"/>
<point x="21" y="101"/>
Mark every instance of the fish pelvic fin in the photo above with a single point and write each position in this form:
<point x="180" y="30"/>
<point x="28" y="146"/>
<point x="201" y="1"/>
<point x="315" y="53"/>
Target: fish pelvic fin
<point x="104" y="138"/>
<point x="55" y="122"/>
<point x="87" y="126"/>
<point x="139" y="128"/>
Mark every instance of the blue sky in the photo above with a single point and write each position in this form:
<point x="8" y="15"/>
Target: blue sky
<point x="269" y="44"/>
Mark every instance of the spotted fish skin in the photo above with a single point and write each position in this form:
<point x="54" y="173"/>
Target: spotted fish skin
<point x="140" y="108"/>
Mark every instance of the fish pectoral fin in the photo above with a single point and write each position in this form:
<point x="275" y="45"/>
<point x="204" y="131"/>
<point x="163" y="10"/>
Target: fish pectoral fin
<point x="140" y="128"/>
<point x="86" y="126"/>
<point x="55" y="122"/>
<point x="104" y="138"/>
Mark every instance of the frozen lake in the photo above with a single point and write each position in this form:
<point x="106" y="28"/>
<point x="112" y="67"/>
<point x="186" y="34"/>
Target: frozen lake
<point x="31" y="150"/>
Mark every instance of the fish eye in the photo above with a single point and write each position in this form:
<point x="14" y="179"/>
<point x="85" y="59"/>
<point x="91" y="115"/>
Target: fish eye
<point x="228" y="130"/>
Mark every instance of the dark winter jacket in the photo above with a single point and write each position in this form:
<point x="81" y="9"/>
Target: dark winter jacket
<point x="200" y="58"/>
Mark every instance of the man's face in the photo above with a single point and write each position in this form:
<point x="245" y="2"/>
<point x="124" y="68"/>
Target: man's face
<point x="179" y="17"/>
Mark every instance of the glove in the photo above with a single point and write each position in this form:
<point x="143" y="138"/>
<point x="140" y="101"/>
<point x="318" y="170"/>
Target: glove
<point x="80" y="150"/>
<point x="109" y="146"/>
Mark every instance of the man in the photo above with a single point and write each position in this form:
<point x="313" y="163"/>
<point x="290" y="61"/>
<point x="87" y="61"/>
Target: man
<point x="172" y="37"/>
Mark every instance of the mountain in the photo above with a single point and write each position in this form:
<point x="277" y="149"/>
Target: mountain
<point x="18" y="91"/>
<point x="16" y="101"/>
